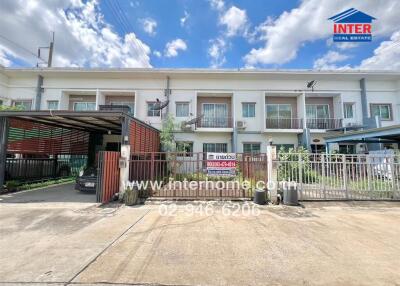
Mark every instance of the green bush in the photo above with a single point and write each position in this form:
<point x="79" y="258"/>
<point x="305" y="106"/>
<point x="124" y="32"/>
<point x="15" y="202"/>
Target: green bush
<point x="290" y="166"/>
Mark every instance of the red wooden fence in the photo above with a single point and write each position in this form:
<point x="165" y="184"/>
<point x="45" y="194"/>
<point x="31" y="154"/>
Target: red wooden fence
<point x="108" y="176"/>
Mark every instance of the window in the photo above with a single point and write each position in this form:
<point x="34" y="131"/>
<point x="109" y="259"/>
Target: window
<point x="215" y="147"/>
<point x="185" y="147"/>
<point x="153" y="112"/>
<point x="248" y="109"/>
<point x="52" y="104"/>
<point x="347" y="149"/>
<point x="182" y="109"/>
<point x="317" y="111"/>
<point x="348" y="110"/>
<point x="251" y="147"/>
<point x="130" y="104"/>
<point x="283" y="147"/>
<point x="215" y="115"/>
<point x="23" y="104"/>
<point x="381" y="110"/>
<point x="317" y="148"/>
<point x="84" y="106"/>
<point x="279" y="111"/>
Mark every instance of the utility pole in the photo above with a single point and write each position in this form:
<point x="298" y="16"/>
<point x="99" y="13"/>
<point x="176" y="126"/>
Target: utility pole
<point x="51" y="52"/>
<point x="51" y="49"/>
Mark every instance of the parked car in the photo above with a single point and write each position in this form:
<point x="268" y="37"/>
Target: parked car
<point x="87" y="180"/>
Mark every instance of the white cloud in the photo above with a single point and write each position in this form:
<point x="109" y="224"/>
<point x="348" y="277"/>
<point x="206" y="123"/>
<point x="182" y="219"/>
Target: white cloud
<point x="157" y="53"/>
<point x="184" y="19"/>
<point x="216" y="52"/>
<point x="386" y="56"/>
<point x="172" y="48"/>
<point x="235" y="21"/>
<point x="329" y="60"/>
<point x="218" y="5"/>
<point x="286" y="34"/>
<point x="83" y="38"/>
<point x="149" y="26"/>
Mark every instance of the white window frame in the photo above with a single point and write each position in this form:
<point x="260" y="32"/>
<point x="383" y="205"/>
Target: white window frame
<point x="319" y="104"/>
<point x="248" y="104"/>
<point x="278" y="104"/>
<point x="22" y="100"/>
<point x="380" y="112"/>
<point x="352" y="107"/>
<point x="58" y="104"/>
<point x="86" y="103"/>
<point x="147" y="109"/>
<point x="215" y="103"/>
<point x="176" y="108"/>
<point x="252" y="144"/>
<point x="215" y="144"/>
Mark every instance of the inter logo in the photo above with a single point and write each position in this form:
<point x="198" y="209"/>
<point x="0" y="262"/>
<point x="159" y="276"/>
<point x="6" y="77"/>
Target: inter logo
<point x="352" y="26"/>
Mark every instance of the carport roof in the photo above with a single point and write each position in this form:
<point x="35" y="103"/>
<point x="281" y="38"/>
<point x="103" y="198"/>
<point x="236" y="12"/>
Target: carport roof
<point x="386" y="133"/>
<point x="104" y="121"/>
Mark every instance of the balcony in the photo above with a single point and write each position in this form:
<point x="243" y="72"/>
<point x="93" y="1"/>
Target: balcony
<point x="324" y="123"/>
<point x="214" y="122"/>
<point x="284" y="123"/>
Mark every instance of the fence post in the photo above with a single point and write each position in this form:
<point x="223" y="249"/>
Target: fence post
<point x="393" y="176"/>
<point x="4" y="128"/>
<point x="346" y="191"/>
<point x="301" y="176"/>
<point x="272" y="173"/>
<point x="124" y="169"/>
<point x="324" y="166"/>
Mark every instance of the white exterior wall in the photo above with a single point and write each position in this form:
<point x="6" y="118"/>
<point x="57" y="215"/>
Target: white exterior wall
<point x="184" y="88"/>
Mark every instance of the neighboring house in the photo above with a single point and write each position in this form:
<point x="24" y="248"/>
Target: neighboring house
<point x="237" y="110"/>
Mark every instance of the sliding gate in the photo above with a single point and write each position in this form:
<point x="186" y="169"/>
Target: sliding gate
<point x="184" y="175"/>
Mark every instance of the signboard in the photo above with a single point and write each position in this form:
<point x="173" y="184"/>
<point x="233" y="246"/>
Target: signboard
<point x="221" y="164"/>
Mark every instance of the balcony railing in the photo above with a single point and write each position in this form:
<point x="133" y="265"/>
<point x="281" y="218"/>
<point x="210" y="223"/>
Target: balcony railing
<point x="324" y="123"/>
<point x="284" y="123"/>
<point x="214" y="122"/>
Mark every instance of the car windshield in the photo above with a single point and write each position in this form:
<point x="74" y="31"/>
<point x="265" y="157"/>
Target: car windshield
<point x="90" y="172"/>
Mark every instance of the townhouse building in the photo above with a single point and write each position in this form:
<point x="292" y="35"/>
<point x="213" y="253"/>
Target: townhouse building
<point x="222" y="110"/>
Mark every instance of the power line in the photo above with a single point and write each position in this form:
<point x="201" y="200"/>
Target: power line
<point x="22" y="48"/>
<point x="120" y="17"/>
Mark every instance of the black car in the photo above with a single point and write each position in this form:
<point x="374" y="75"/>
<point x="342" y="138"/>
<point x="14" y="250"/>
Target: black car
<point x="86" y="181"/>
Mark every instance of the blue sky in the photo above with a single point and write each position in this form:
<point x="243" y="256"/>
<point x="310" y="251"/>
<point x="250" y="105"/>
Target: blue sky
<point x="197" y="34"/>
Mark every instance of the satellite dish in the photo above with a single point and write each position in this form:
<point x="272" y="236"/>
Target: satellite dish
<point x="311" y="84"/>
<point x="194" y="120"/>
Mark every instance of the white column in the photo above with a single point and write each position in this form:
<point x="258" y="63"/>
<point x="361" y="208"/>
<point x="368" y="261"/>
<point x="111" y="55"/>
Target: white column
<point x="124" y="169"/>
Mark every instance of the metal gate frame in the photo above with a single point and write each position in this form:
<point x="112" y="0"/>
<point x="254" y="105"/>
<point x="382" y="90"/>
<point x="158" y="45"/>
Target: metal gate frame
<point x="161" y="166"/>
<point x="107" y="176"/>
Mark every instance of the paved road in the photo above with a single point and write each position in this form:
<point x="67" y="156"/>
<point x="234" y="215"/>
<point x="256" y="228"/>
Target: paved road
<point x="58" y="194"/>
<point x="327" y="244"/>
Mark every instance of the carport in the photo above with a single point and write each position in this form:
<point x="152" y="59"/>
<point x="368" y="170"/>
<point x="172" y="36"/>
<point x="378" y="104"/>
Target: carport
<point x="51" y="136"/>
<point x="373" y="136"/>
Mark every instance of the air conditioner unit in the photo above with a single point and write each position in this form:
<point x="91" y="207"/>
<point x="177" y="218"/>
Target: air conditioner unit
<point x="241" y="124"/>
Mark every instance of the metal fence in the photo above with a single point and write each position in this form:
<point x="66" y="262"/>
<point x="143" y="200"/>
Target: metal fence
<point x="341" y="177"/>
<point x="30" y="169"/>
<point x="171" y="170"/>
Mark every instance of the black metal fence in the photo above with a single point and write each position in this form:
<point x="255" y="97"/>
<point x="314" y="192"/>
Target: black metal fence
<point x="31" y="169"/>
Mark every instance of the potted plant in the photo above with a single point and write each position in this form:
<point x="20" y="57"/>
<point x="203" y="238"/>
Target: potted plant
<point x="131" y="196"/>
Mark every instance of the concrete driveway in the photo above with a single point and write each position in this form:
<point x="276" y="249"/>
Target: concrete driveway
<point x="63" y="193"/>
<point x="320" y="244"/>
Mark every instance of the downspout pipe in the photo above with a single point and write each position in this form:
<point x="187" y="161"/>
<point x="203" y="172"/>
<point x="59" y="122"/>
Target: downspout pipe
<point x="364" y="102"/>
<point x="39" y="91"/>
